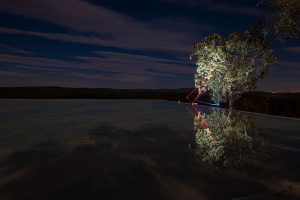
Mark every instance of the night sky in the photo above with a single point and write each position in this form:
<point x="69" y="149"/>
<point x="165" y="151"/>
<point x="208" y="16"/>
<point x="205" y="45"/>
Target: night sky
<point x="123" y="43"/>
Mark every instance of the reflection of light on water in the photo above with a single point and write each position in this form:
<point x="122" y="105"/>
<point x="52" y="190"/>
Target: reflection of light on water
<point x="226" y="139"/>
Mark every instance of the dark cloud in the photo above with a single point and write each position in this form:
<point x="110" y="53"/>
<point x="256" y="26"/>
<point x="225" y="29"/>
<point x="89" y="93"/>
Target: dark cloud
<point x="94" y="22"/>
<point x="275" y="84"/>
<point x="293" y="49"/>
<point x="106" y="61"/>
<point x="107" y="66"/>
<point x="83" y="17"/>
<point x="221" y="6"/>
<point x="114" y="48"/>
<point x="6" y="48"/>
<point x="283" y="77"/>
<point x="284" y="66"/>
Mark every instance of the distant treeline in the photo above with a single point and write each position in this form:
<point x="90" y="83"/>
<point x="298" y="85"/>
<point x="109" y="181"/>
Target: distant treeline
<point x="283" y="104"/>
<point x="90" y="93"/>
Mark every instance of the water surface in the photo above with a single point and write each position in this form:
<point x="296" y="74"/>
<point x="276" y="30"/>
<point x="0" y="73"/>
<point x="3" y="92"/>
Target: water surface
<point x="144" y="149"/>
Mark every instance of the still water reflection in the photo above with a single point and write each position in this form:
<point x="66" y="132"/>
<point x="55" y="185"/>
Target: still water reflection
<point x="125" y="149"/>
<point x="228" y="139"/>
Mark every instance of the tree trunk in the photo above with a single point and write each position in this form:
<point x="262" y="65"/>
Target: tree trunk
<point x="231" y="100"/>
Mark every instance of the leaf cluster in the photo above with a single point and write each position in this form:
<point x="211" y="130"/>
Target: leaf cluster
<point x="231" y="140"/>
<point x="240" y="60"/>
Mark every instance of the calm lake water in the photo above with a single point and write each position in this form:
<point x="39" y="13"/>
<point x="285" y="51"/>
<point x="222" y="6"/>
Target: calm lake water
<point x="144" y="149"/>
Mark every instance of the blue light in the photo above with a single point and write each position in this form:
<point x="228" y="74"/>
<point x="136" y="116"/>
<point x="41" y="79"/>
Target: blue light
<point x="206" y="103"/>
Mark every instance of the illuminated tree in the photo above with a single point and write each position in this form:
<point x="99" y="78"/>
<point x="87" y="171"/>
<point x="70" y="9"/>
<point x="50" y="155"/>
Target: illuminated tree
<point x="230" y="140"/>
<point x="239" y="60"/>
<point x="210" y="55"/>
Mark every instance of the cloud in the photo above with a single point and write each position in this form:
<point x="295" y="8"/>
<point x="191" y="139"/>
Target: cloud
<point x="138" y="62"/>
<point x="286" y="67"/>
<point x="76" y="38"/>
<point x="181" y="53"/>
<point x="17" y="74"/>
<point x="89" y="24"/>
<point x="104" y="62"/>
<point x="102" y="26"/>
<point x="112" y="67"/>
<point x="118" y="77"/>
<point x="250" y="11"/>
<point x="217" y="6"/>
<point x="272" y="84"/>
<point x="35" y="61"/>
<point x="6" y="48"/>
<point x="283" y="77"/>
<point x="202" y="4"/>
<point x="74" y="14"/>
<point x="179" y="24"/>
<point x="293" y="49"/>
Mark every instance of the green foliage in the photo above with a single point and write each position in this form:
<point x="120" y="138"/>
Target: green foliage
<point x="231" y="140"/>
<point x="284" y="19"/>
<point x="240" y="60"/>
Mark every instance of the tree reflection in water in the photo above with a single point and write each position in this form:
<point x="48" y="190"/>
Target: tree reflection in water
<point x="227" y="139"/>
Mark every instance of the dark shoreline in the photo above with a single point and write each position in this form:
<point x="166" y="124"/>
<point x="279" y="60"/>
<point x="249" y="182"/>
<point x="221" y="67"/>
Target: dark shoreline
<point x="280" y="104"/>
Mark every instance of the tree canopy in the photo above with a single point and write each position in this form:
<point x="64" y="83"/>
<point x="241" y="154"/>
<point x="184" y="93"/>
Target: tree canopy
<point x="231" y="140"/>
<point x="240" y="60"/>
<point x="283" y="18"/>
